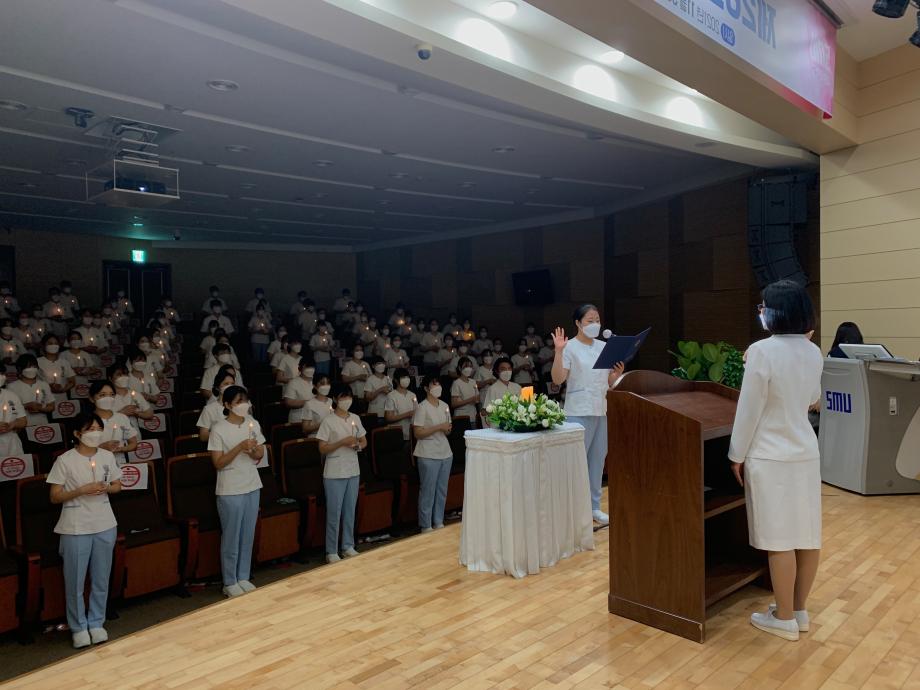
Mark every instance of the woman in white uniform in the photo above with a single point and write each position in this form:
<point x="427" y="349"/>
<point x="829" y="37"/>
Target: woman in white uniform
<point x="12" y="419"/>
<point x="401" y="403"/>
<point x="118" y="436"/>
<point x="377" y="387"/>
<point x="127" y="401"/>
<point x="431" y="425"/>
<point x="464" y="393"/>
<point x="53" y="369"/>
<point x="586" y="392"/>
<point x="298" y="392"/>
<point x="356" y="372"/>
<point x="213" y="412"/>
<point x="484" y="375"/>
<point x="775" y="456"/>
<point x="502" y="371"/>
<point x="34" y="393"/>
<point x="318" y="407"/>
<point x="522" y="361"/>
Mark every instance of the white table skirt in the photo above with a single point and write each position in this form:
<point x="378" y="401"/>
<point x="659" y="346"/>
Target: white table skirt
<point x="526" y="501"/>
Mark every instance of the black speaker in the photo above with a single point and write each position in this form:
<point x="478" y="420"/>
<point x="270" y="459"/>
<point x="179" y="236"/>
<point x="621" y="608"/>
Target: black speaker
<point x="775" y="206"/>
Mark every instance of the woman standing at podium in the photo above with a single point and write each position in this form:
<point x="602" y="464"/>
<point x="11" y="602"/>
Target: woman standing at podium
<point x="586" y="393"/>
<point x="775" y="456"/>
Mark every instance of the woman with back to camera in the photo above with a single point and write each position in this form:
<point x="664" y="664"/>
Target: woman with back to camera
<point x="586" y="393"/>
<point x="775" y="456"/>
<point x="848" y="333"/>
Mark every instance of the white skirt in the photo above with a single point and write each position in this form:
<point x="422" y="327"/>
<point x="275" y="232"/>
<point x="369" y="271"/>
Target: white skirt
<point x="783" y="504"/>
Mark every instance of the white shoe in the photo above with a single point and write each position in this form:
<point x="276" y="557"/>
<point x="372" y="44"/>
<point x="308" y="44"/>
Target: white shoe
<point x="441" y="526"/>
<point x="601" y="517"/>
<point x="769" y="623"/>
<point x="246" y="586"/>
<point x="801" y="617"/>
<point x="332" y="558"/>
<point x="426" y="529"/>
<point x="234" y="590"/>
<point x="81" y="639"/>
<point x="98" y="635"/>
<point x="350" y="552"/>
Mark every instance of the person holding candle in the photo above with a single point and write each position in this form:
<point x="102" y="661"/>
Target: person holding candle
<point x="221" y="338"/>
<point x="222" y="359"/>
<point x="283" y="350"/>
<point x="395" y="356"/>
<point x="431" y="345"/>
<point x="9" y="305"/>
<point x="217" y="316"/>
<point x="12" y="419"/>
<point x="299" y="391"/>
<point x="397" y="318"/>
<point x="57" y="372"/>
<point x="321" y="344"/>
<point x="484" y="376"/>
<point x="210" y="339"/>
<point x="341" y="437"/>
<point x="213" y="411"/>
<point x="318" y="407"/>
<point x="297" y="306"/>
<point x="252" y="306"/>
<point x="41" y="324"/>
<point x="79" y="360"/>
<point x="431" y="425"/>
<point x="448" y="357"/>
<point x="466" y="334"/>
<point x="142" y="380"/>
<point x="127" y="401"/>
<point x="464" y="392"/>
<point x="81" y="481"/>
<point x="287" y="368"/>
<point x="214" y="296"/>
<point x="118" y="436"/>
<point x="57" y="312"/>
<point x="25" y="332"/>
<point x="502" y="371"/>
<point x="123" y="304"/>
<point x="545" y="357"/>
<point x="94" y="341"/>
<point x="275" y="344"/>
<point x="377" y="387"/>
<point x="586" y="392"/>
<point x="482" y="343"/>
<point x="306" y="320"/>
<point x="522" y="365"/>
<point x="356" y="372"/>
<point x="10" y="346"/>
<point x="260" y="328"/>
<point x="499" y="350"/>
<point x="34" y="393"/>
<point x="415" y="338"/>
<point x="401" y="403"/>
<point x="382" y="343"/>
<point x="155" y="361"/>
<point x="237" y="445"/>
<point x="532" y="339"/>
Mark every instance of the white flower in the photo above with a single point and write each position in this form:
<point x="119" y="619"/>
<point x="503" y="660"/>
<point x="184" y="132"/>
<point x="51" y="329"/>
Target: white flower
<point x="545" y="424"/>
<point x="532" y="408"/>
<point x="490" y="409"/>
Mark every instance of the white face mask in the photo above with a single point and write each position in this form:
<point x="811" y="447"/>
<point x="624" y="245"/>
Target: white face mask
<point x="76" y="344"/>
<point x="2" y="380"/>
<point x="7" y="330"/>
<point x="240" y="409"/>
<point x="87" y="320"/>
<point x="107" y="404"/>
<point x="404" y="382"/>
<point x="435" y="391"/>
<point x="380" y="368"/>
<point x="55" y="298"/>
<point x="763" y="320"/>
<point x="522" y="348"/>
<point x="467" y="371"/>
<point x="139" y="366"/>
<point x="30" y="372"/>
<point x="52" y="349"/>
<point x="143" y="347"/>
<point x="120" y="382"/>
<point x="323" y="390"/>
<point x="359" y="355"/>
<point x="505" y="375"/>
<point x="296" y="348"/>
<point x="344" y="404"/>
<point x="217" y="310"/>
<point x="308" y="372"/>
<point x="592" y="330"/>
<point x="224" y="358"/>
<point x="487" y="360"/>
<point x="92" y="439"/>
<point x="121" y="293"/>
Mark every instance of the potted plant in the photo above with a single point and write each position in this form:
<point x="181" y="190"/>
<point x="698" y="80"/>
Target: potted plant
<point x="720" y="363"/>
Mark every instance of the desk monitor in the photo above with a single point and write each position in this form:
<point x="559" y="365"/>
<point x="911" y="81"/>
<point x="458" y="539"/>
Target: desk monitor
<point x="866" y="352"/>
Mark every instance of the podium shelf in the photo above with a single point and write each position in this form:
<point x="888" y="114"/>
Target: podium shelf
<point x="714" y="412"/>
<point x="729" y="576"/>
<point x="719" y="503"/>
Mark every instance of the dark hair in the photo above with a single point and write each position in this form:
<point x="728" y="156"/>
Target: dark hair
<point x="584" y="309"/>
<point x="498" y="362"/>
<point x="215" y="303"/>
<point x="340" y="390"/>
<point x="86" y="420"/>
<point x="25" y="361"/>
<point x="374" y="361"/>
<point x="222" y="373"/>
<point x="847" y="333"/>
<point x="49" y="336"/>
<point x="118" y="365"/>
<point x="429" y="379"/>
<point x="306" y="361"/>
<point x="96" y="387"/>
<point x="230" y="395"/>
<point x="398" y="374"/>
<point x="461" y="362"/>
<point x="220" y="347"/>
<point x="316" y="382"/>
<point x="133" y="352"/>
<point x="788" y="308"/>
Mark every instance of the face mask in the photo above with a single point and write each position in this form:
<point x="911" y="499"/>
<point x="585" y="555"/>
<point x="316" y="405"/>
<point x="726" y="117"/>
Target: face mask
<point x="453" y="320"/>
<point x="296" y="348"/>
<point x="396" y="345"/>
<point x="260" y="312"/>
<point x="385" y="331"/>
<point x="505" y="375"/>
<point x="549" y="343"/>
<point x="30" y="372"/>
<point x="530" y="330"/>
<point x="23" y="323"/>
<point x="435" y="391"/>
<point x="344" y="404"/>
<point x="87" y="320"/>
<point x="323" y="390"/>
<point x="55" y="298"/>
<point x="97" y="322"/>
<point x="308" y="372"/>
<point x="7" y="330"/>
<point x="522" y="348"/>
<point x="498" y="347"/>
<point x="143" y="347"/>
<point x="448" y="344"/>
<point x="260" y="295"/>
<point x="463" y="349"/>
<point x="359" y="355"/>
<point x="121" y="293"/>
<point x="404" y="382"/>
<point x="240" y="409"/>
<point x="52" y="349"/>
<point x="76" y="344"/>
<point x="2" y="380"/>
<point x="592" y="330"/>
<point x="215" y="293"/>
<point x="92" y="439"/>
<point x="217" y="310"/>
<point x="139" y="366"/>
<point x="763" y="320"/>
<point x="66" y="290"/>
<point x="483" y="335"/>
<point x="224" y="358"/>
<point x="107" y="404"/>
<point x="467" y="371"/>
<point x="486" y="360"/>
<point x="167" y="302"/>
<point x="5" y="291"/>
<point x="322" y="316"/>
<point x="380" y="368"/>
<point x="121" y="382"/>
<point x="434" y="328"/>
<point x="107" y="312"/>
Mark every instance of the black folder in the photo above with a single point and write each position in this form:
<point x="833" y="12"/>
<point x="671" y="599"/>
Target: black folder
<point x="621" y="348"/>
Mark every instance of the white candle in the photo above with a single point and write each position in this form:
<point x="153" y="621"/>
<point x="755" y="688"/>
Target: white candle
<point x="252" y="431"/>
<point x="92" y="464"/>
<point x="38" y="395"/>
<point x="5" y="409"/>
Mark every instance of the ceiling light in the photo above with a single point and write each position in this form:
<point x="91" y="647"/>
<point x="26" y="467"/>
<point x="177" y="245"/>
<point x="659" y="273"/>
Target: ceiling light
<point x="612" y="57"/>
<point x="12" y="105"/>
<point x="320" y="195"/>
<point x="247" y="185"/>
<point x="223" y="85"/>
<point x="399" y="175"/>
<point x="237" y="148"/>
<point x="75" y="162"/>
<point x="503" y="9"/>
<point x="483" y="36"/>
<point x="503" y="149"/>
<point x="27" y="185"/>
<point x="384" y="202"/>
<point x="467" y="185"/>
<point x="684" y="110"/>
<point x="323" y="164"/>
<point x="595" y="80"/>
<point x="893" y="9"/>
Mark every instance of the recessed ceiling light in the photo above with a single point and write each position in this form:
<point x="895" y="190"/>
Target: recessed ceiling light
<point x="612" y="57"/>
<point x="237" y="148"/>
<point x="223" y="85"/>
<point x="384" y="202"/>
<point x="467" y="185"/>
<point x="503" y="9"/>
<point x="320" y="195"/>
<point x="247" y="185"/>
<point x="323" y="164"/>
<point x="28" y="185"/>
<point x="12" y="105"/>
<point x="399" y="175"/>
<point x="503" y="149"/>
<point x="75" y="162"/>
<point x="387" y="152"/>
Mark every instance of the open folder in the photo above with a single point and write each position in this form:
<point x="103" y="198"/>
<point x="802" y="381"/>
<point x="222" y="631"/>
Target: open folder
<point x="621" y="348"/>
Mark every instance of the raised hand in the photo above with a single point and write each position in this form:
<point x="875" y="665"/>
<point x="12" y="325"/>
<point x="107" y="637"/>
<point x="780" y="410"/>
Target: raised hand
<point x="559" y="338"/>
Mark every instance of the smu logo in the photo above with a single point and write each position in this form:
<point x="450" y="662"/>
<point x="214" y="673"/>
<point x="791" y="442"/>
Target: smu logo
<point x="839" y="402"/>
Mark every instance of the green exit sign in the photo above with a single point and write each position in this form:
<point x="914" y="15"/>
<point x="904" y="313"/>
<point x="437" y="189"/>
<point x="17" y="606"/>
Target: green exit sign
<point x="138" y="256"/>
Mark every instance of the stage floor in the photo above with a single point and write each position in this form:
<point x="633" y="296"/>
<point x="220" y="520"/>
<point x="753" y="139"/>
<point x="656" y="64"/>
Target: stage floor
<point x="408" y="615"/>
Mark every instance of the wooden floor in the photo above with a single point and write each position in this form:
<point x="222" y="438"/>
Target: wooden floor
<point x="408" y="615"/>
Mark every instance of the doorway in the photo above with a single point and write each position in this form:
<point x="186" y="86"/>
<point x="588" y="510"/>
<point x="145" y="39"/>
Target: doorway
<point x="144" y="284"/>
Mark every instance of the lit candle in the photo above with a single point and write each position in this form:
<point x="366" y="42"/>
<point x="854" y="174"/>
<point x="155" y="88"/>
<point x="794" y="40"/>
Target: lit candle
<point x="54" y="376"/>
<point x="354" y="428"/>
<point x="252" y="431"/>
<point x="38" y="395"/>
<point x="91" y="340"/>
<point x="92" y="464"/>
<point x="133" y="396"/>
<point x="5" y="409"/>
<point x="527" y="394"/>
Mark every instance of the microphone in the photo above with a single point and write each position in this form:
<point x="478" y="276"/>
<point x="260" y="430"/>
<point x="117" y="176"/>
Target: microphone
<point x="607" y="334"/>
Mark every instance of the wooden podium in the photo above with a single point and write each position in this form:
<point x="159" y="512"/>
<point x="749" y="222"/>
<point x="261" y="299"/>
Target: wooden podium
<point x="678" y="524"/>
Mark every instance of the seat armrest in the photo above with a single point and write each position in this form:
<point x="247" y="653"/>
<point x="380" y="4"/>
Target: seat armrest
<point x="188" y="530"/>
<point x="117" y="587"/>
<point x="30" y="583"/>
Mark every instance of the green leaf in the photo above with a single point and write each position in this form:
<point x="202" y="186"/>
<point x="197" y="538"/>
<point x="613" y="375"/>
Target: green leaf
<point x="715" y="373"/>
<point x="710" y="353"/>
<point x="684" y="362"/>
<point x="693" y="370"/>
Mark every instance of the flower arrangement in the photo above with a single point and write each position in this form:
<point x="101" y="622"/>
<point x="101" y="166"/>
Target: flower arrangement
<point x="525" y="413"/>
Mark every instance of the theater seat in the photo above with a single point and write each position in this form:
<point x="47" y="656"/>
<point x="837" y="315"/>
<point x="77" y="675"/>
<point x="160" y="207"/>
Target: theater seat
<point x="9" y="586"/>
<point x="281" y="433"/>
<point x="376" y="498"/>
<point x="188" y="444"/>
<point x="302" y="479"/>
<point x="459" y="426"/>
<point x="278" y="528"/>
<point x="188" y="418"/>
<point x="152" y="545"/>
<point x="391" y="462"/>
<point x="190" y="502"/>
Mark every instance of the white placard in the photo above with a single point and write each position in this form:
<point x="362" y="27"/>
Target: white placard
<point x="156" y="424"/>
<point x="45" y="434"/>
<point x="16" y="467"/>
<point x="264" y="461"/>
<point x="167" y="385"/>
<point x="66" y="409"/>
<point x="135" y="477"/>
<point x="146" y="450"/>
<point x="163" y="402"/>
